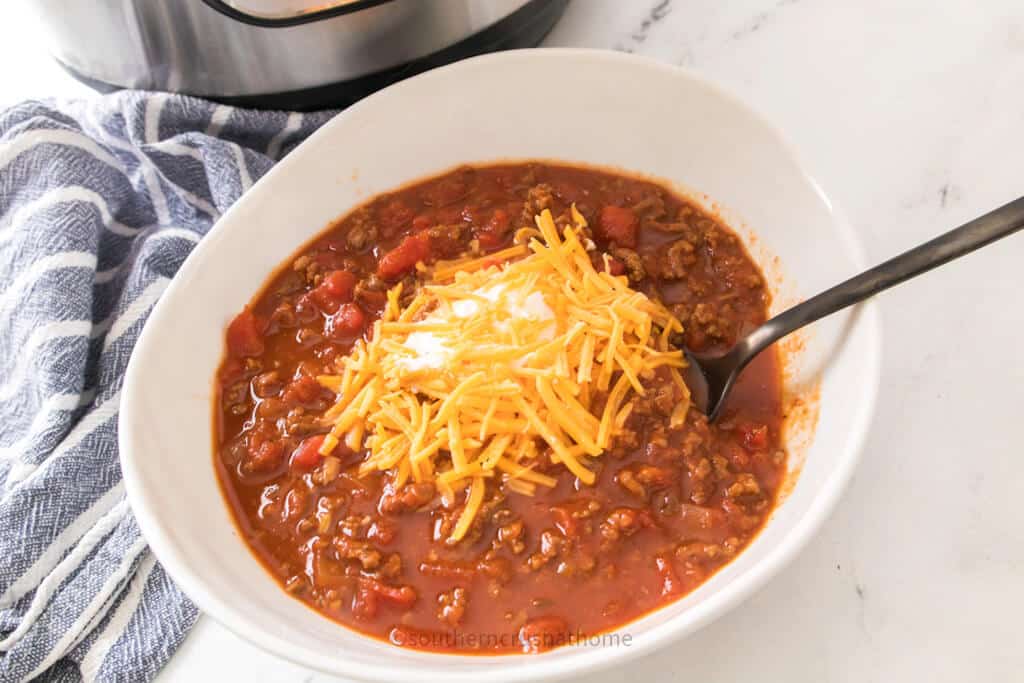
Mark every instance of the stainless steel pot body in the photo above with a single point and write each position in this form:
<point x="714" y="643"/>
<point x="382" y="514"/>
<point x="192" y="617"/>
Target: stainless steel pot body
<point x="189" y="46"/>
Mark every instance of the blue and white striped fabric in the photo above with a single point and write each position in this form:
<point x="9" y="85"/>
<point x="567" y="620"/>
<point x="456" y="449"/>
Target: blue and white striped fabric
<point x="100" y="202"/>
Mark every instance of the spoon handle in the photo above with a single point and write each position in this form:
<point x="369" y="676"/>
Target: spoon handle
<point x="979" y="232"/>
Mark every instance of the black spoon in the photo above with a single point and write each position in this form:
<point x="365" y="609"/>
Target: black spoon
<point x="712" y="377"/>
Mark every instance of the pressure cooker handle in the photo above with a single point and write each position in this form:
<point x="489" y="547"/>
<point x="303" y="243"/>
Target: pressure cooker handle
<point x="334" y="10"/>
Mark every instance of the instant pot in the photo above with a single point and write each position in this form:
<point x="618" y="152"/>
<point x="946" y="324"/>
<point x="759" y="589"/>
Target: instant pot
<point x="282" y="54"/>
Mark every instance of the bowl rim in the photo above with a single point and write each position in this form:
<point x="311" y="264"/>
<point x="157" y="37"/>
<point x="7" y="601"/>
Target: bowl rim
<point x="534" y="667"/>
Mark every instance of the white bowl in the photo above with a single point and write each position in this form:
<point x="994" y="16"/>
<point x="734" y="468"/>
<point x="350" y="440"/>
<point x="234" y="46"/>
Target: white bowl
<point x="573" y="105"/>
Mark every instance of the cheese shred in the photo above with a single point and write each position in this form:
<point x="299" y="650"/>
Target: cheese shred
<point x="511" y="364"/>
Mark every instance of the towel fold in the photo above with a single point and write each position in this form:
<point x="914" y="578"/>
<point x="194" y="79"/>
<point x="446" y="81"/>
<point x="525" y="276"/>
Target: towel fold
<point x="101" y="201"/>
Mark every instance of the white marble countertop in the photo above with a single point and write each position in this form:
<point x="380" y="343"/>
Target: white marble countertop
<point x="911" y="112"/>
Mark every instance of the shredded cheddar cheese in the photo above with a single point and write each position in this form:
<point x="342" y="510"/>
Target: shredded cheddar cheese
<point x="496" y="358"/>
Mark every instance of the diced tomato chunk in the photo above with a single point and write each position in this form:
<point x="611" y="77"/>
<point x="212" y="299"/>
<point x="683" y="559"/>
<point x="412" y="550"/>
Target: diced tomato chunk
<point x="401" y="596"/>
<point x="370" y="592"/>
<point x="493" y="233"/>
<point x="364" y="603"/>
<point x="403" y="258"/>
<point x="340" y="284"/>
<point x="755" y="437"/>
<point x="335" y="289"/>
<point x="245" y="335"/>
<point x="349" y="321"/>
<point x="307" y="455"/>
<point x="618" y="224"/>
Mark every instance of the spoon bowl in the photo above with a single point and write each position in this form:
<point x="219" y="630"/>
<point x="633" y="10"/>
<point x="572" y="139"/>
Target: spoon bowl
<point x="710" y="378"/>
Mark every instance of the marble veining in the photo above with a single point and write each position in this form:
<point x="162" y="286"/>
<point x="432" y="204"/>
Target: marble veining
<point x="656" y="14"/>
<point x="761" y="19"/>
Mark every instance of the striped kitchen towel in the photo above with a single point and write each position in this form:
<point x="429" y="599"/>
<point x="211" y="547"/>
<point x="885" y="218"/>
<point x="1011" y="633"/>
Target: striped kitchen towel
<point x="100" y="202"/>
